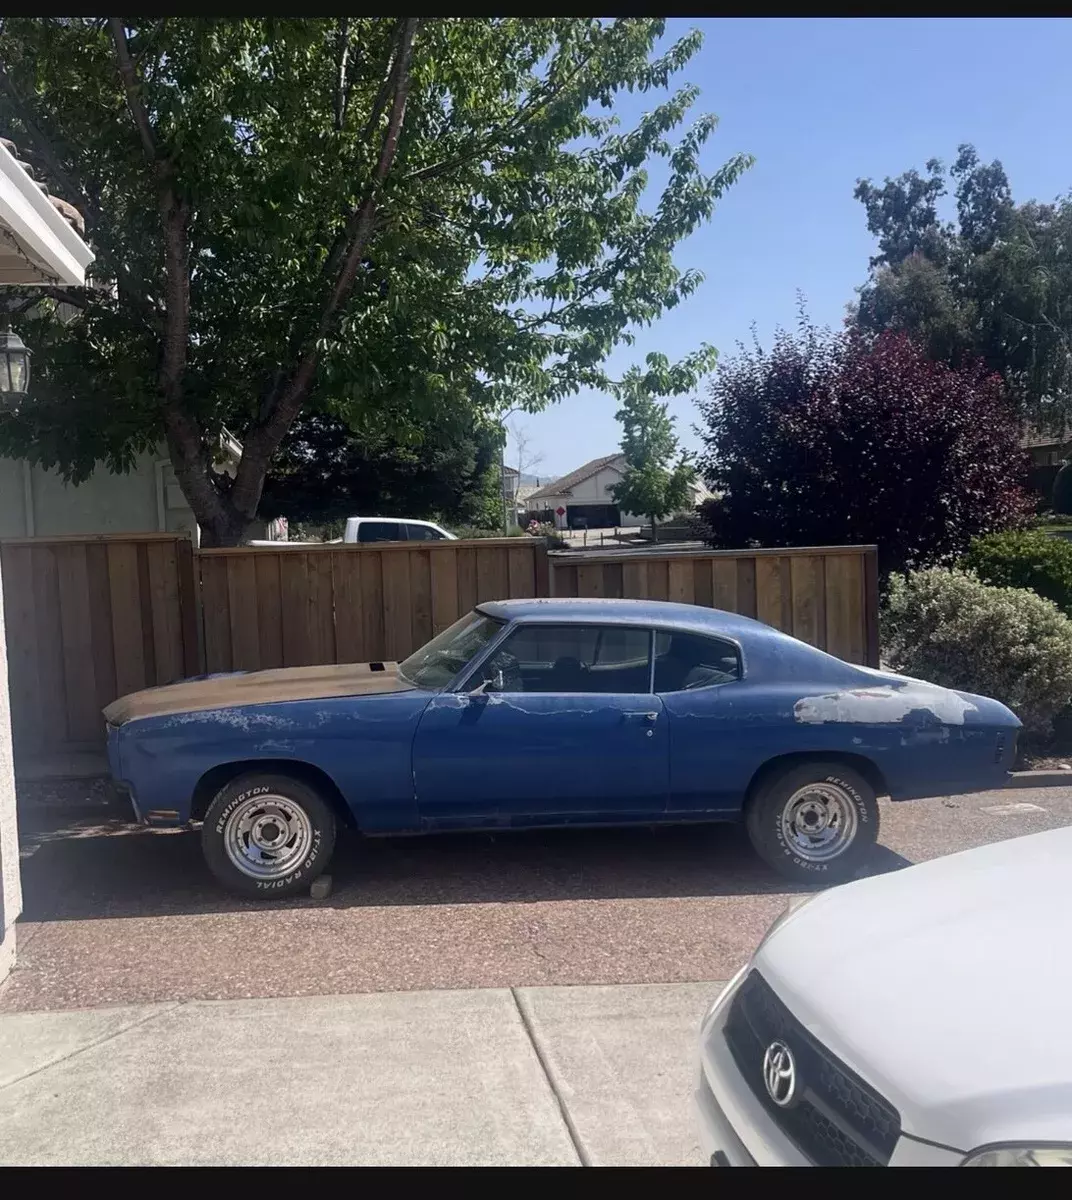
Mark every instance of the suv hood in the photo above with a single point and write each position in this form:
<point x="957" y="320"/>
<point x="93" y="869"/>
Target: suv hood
<point x="946" y="986"/>
<point x="258" y="687"/>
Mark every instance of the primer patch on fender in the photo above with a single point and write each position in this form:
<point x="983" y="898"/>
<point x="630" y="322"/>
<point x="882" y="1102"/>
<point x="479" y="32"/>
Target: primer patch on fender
<point x="882" y="705"/>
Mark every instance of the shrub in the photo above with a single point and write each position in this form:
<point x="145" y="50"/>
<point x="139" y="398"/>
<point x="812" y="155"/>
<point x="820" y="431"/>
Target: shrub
<point x="839" y="438"/>
<point x="1062" y="490"/>
<point x="949" y="627"/>
<point x="1031" y="559"/>
<point x="470" y="531"/>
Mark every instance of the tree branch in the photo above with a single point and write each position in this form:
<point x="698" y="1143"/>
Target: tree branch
<point x="263" y="440"/>
<point x="521" y="118"/>
<point x="135" y="102"/>
<point x="342" y="92"/>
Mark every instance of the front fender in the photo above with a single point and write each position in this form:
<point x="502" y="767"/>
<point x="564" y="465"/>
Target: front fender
<point x="363" y="744"/>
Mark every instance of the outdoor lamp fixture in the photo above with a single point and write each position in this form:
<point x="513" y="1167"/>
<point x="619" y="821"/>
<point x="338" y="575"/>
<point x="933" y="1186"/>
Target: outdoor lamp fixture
<point x="14" y="368"/>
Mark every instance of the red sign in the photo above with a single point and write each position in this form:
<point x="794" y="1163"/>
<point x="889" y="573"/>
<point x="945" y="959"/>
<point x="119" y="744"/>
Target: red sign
<point x="560" y="511"/>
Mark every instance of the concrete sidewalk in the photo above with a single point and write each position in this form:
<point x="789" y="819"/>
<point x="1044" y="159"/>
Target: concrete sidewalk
<point x="522" y="1076"/>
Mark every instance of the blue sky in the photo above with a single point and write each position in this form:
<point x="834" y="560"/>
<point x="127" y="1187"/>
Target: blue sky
<point x="820" y="103"/>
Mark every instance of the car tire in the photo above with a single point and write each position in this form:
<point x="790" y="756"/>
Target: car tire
<point x="267" y="835"/>
<point x="814" y="823"/>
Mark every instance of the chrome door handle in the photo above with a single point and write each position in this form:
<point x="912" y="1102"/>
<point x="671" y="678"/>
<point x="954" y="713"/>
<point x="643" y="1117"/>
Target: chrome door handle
<point x="641" y="716"/>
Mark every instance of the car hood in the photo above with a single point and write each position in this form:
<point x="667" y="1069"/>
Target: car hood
<point x="946" y="986"/>
<point x="258" y="687"/>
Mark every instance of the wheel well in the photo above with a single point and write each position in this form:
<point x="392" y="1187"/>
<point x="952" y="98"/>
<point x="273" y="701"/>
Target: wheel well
<point x="784" y="762"/>
<point x="211" y="782"/>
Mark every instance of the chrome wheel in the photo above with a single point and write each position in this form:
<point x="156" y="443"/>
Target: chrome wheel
<point x="819" y="821"/>
<point x="266" y="837"/>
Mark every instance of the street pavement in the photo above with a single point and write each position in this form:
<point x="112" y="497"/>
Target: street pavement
<point x="519" y="1077"/>
<point x="118" y="915"/>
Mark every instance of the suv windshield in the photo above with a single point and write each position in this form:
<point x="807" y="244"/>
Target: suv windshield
<point x="436" y="663"/>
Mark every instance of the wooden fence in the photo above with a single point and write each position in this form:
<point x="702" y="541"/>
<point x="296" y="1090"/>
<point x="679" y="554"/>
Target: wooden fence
<point x="826" y="595"/>
<point x="294" y="607"/>
<point x="91" y="618"/>
<point x="88" y="619"/>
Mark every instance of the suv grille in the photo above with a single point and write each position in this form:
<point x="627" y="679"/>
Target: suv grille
<point x="837" y="1120"/>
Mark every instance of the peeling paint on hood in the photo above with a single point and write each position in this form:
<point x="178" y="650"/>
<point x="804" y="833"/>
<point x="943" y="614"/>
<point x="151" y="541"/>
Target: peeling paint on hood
<point x="214" y="692"/>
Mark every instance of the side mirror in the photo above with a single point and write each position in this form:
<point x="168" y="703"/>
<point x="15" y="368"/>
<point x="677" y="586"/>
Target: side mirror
<point x="496" y="683"/>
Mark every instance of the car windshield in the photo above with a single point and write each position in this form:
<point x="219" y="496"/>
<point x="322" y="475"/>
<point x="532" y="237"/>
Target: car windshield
<point x="436" y="663"/>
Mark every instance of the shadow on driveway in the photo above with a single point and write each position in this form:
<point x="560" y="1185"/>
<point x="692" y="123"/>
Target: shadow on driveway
<point x="91" y="864"/>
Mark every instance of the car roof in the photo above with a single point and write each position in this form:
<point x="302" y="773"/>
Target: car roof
<point x="692" y="617"/>
<point x="770" y="654"/>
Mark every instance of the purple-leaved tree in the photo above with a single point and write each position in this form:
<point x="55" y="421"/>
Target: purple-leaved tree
<point x="840" y="438"/>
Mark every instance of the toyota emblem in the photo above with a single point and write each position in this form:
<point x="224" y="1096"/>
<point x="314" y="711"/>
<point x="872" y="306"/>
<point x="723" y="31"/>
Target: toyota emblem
<point x="780" y="1074"/>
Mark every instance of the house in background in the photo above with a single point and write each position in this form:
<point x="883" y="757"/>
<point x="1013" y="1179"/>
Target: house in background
<point x="585" y="496"/>
<point x="1049" y="451"/>
<point x="35" y="502"/>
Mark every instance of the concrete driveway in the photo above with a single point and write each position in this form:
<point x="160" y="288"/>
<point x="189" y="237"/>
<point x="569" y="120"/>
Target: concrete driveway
<point x="507" y="1077"/>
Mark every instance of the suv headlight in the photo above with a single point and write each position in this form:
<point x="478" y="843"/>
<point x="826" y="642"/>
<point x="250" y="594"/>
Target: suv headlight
<point x="1054" y="1155"/>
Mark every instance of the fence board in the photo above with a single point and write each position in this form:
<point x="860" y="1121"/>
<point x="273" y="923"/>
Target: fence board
<point x="127" y="637"/>
<point x="397" y="633"/>
<point x="807" y="583"/>
<point x="100" y="618"/>
<point x="242" y="616"/>
<point x="80" y="690"/>
<point x="420" y="569"/>
<point x="724" y="583"/>
<point x="679" y="582"/>
<point x="269" y="611"/>
<point x="445" y="607"/>
<point x="216" y="614"/>
<point x="295" y="609"/>
<point x="372" y="607"/>
<point x="349" y="628"/>
<point x="166" y="610"/>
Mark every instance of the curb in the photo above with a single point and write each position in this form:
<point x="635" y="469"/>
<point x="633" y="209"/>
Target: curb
<point x="1034" y="779"/>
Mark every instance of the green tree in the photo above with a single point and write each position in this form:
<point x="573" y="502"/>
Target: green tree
<point x="362" y="217"/>
<point x="325" y="471"/>
<point x="996" y="283"/>
<point x="653" y="483"/>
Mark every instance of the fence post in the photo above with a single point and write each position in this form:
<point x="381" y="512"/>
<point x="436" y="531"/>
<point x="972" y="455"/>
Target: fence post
<point x="193" y="641"/>
<point x="873" y="650"/>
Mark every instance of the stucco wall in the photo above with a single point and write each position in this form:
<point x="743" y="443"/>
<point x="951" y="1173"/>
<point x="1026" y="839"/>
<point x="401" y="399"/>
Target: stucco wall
<point x="10" y="888"/>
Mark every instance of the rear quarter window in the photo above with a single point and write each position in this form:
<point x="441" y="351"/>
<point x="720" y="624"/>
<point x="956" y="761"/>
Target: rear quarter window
<point x="687" y="661"/>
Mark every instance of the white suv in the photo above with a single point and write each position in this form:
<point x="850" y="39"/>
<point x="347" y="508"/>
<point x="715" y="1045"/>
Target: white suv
<point x="919" y="1018"/>
<point x="394" y="529"/>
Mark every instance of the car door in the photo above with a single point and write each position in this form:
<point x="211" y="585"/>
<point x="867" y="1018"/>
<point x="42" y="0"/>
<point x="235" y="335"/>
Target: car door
<point x="712" y="727"/>
<point x="418" y="532"/>
<point x="567" y="730"/>
<point x="380" y="531"/>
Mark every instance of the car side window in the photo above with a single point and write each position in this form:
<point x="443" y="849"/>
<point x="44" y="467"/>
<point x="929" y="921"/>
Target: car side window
<point x="613" y="660"/>
<point x="422" y="533"/>
<point x="686" y="661"/>
<point x="380" y="531"/>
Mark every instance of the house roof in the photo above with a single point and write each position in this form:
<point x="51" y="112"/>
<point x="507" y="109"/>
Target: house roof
<point x="40" y="234"/>
<point x="564" y="485"/>
<point x="1034" y="438"/>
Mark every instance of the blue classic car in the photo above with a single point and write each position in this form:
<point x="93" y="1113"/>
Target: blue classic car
<point x="532" y="713"/>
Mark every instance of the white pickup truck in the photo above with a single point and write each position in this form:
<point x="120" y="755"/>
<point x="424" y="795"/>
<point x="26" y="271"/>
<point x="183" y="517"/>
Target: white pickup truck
<point x="380" y="529"/>
<point x="394" y="529"/>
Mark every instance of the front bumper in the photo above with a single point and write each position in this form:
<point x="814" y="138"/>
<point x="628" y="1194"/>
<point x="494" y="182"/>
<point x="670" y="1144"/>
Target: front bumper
<point x="736" y="1129"/>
